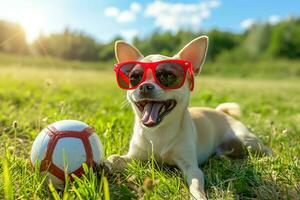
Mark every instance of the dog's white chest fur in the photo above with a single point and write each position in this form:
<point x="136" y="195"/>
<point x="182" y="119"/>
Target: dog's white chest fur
<point x="157" y="142"/>
<point x="168" y="142"/>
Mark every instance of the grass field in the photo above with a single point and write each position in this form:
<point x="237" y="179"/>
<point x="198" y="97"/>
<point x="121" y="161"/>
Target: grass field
<point x="31" y="98"/>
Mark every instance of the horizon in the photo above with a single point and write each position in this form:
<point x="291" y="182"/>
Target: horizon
<point x="132" y="18"/>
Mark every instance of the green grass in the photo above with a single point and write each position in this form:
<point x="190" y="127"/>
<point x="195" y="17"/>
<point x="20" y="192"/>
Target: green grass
<point x="8" y="60"/>
<point x="33" y="97"/>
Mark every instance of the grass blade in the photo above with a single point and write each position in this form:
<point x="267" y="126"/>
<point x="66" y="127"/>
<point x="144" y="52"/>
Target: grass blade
<point x="8" y="191"/>
<point x="53" y="191"/>
<point x="105" y="189"/>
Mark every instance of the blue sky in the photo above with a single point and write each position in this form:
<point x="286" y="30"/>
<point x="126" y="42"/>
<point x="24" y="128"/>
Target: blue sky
<point x="105" y="20"/>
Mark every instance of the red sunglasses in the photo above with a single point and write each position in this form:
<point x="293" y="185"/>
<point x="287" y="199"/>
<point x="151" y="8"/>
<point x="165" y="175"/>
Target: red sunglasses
<point x="168" y="74"/>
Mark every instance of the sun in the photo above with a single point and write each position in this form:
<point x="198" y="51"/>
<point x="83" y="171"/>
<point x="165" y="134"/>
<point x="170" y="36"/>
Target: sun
<point x="33" y="25"/>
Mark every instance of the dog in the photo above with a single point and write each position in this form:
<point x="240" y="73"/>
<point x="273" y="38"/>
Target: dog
<point x="164" y="125"/>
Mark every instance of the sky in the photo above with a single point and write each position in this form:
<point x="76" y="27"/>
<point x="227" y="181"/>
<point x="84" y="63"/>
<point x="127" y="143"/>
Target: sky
<point x="104" y="20"/>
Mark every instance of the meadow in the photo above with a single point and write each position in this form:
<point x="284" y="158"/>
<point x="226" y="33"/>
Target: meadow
<point x="35" y="92"/>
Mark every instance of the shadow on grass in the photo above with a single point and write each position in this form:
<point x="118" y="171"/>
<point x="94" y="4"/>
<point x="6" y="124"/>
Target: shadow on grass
<point x="245" y="178"/>
<point x="143" y="181"/>
<point x="121" y="190"/>
<point x="226" y="178"/>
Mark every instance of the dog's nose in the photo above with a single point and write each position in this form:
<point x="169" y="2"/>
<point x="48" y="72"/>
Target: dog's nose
<point x="146" y="88"/>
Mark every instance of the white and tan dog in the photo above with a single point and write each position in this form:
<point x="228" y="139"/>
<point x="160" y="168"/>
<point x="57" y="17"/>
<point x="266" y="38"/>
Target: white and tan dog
<point x="182" y="136"/>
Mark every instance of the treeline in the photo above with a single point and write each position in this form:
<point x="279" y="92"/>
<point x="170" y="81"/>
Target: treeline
<point x="68" y="45"/>
<point x="261" y="41"/>
<point x="12" y="38"/>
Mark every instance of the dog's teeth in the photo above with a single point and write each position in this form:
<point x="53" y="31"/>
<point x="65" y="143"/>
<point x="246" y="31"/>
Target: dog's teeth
<point x="163" y="109"/>
<point x="169" y="105"/>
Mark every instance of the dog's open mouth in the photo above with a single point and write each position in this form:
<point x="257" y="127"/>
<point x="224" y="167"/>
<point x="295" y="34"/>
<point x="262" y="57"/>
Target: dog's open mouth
<point x="154" y="111"/>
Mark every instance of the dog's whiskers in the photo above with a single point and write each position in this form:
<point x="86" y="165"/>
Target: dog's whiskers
<point x="125" y="104"/>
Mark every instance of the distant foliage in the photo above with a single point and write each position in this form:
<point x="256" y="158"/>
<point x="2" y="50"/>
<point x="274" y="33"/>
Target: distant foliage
<point x="107" y="51"/>
<point x="165" y="43"/>
<point x="220" y="41"/>
<point x="68" y="45"/>
<point x="12" y="38"/>
<point x="169" y="44"/>
<point x="259" y="42"/>
<point x="285" y="40"/>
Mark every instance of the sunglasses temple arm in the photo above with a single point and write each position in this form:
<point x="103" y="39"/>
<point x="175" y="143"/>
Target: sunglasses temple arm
<point x="192" y="79"/>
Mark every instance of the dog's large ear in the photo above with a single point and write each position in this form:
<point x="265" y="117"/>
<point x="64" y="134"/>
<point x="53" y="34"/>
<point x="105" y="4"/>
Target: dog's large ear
<point x="195" y="52"/>
<point x="126" y="52"/>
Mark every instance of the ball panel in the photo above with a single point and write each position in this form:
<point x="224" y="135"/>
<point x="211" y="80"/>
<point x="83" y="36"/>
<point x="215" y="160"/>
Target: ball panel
<point x="71" y="150"/>
<point x="39" y="147"/>
<point x="97" y="148"/>
<point x="70" y="125"/>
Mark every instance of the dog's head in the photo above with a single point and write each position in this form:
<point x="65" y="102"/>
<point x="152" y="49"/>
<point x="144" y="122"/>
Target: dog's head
<point x="152" y="104"/>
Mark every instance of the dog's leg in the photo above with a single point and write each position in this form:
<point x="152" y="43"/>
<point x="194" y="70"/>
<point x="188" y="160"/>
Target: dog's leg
<point x="253" y="144"/>
<point x="233" y="148"/>
<point x="238" y="147"/>
<point x="241" y="140"/>
<point x="116" y="163"/>
<point x="194" y="177"/>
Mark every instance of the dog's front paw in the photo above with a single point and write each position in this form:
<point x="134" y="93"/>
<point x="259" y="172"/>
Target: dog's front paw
<point x="115" y="164"/>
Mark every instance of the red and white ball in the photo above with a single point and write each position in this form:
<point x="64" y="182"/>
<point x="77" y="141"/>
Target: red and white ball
<point x="66" y="145"/>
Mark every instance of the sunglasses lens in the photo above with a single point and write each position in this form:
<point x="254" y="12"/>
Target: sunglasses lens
<point x="130" y="75"/>
<point x="170" y="74"/>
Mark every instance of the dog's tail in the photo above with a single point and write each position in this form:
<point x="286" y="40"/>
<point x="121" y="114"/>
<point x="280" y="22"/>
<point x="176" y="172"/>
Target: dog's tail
<point x="230" y="108"/>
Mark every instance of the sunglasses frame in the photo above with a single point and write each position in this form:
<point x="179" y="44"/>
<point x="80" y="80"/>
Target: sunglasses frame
<point x="186" y="65"/>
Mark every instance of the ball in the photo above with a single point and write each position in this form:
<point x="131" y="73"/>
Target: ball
<point x="63" y="147"/>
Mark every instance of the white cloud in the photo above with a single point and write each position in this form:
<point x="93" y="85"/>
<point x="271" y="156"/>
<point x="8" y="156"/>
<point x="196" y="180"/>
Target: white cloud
<point x="247" y="23"/>
<point x="135" y="7"/>
<point x="129" y="34"/>
<point x="111" y="11"/>
<point x="274" y="19"/>
<point x="173" y="16"/>
<point x="214" y="3"/>
<point x="124" y="16"/>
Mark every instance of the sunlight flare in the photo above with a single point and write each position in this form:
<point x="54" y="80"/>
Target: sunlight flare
<point x="32" y="24"/>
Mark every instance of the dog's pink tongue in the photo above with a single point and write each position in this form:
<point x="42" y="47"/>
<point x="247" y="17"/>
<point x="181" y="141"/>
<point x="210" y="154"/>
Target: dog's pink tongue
<point x="150" y="114"/>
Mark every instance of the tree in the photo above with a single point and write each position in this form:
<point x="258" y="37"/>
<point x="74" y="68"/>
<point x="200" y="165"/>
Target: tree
<point x="68" y="45"/>
<point x="220" y="41"/>
<point x="254" y="43"/>
<point x="12" y="38"/>
<point x="107" y="51"/>
<point x="285" y="40"/>
<point x="164" y="43"/>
